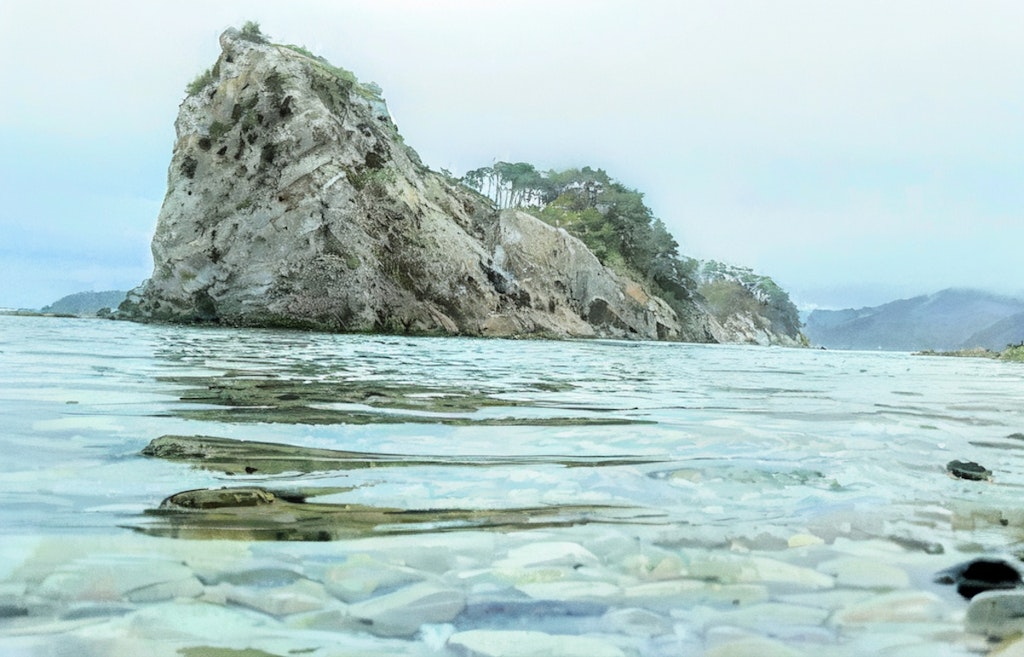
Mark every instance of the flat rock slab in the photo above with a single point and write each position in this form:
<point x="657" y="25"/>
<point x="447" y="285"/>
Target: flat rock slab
<point x="253" y="513"/>
<point x="263" y="458"/>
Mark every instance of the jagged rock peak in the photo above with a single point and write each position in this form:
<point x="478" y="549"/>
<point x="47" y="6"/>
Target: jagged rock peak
<point x="293" y="201"/>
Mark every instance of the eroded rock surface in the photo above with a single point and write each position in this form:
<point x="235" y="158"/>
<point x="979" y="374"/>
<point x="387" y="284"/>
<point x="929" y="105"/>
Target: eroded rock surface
<point x="293" y="201"/>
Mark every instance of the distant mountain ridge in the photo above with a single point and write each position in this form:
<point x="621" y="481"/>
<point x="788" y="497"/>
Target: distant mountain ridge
<point x="947" y="320"/>
<point x="85" y="303"/>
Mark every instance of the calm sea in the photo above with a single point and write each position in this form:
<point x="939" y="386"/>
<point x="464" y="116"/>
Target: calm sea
<point x="730" y="452"/>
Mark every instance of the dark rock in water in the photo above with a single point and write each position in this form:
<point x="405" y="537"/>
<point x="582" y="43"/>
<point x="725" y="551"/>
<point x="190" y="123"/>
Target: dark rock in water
<point x="253" y="513"/>
<point x="12" y="610"/>
<point x="219" y="498"/>
<point x="980" y="575"/>
<point x="968" y="470"/>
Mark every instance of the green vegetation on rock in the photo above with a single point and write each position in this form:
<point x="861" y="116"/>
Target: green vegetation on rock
<point x="730" y="290"/>
<point x="251" y="32"/>
<point x="610" y="218"/>
<point x="200" y="82"/>
<point x="1013" y="352"/>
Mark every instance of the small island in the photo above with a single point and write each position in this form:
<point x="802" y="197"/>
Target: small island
<point x="293" y="201"/>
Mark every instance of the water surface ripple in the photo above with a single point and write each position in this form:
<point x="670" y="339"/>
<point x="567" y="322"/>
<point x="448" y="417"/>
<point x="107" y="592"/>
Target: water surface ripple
<point x="750" y="474"/>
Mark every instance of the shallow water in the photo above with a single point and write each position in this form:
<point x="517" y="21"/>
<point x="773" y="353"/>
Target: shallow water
<point x="795" y="500"/>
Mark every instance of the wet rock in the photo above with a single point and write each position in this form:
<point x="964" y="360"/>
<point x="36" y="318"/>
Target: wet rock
<point x="968" y="470"/>
<point x="220" y="498"/>
<point x="804" y="540"/>
<point x="196" y="622"/>
<point x="102" y="580"/>
<point x="361" y="576"/>
<point x="853" y="572"/>
<point x="980" y="575"/>
<point x="262" y="458"/>
<point x="752" y="647"/>
<point x="897" y="607"/>
<point x="12" y="610"/>
<point x="688" y="592"/>
<point x="268" y="577"/>
<point x="252" y="513"/>
<point x="541" y="615"/>
<point x="295" y="598"/>
<point x="777" y="618"/>
<point x="400" y="614"/>
<point x="182" y="587"/>
<point x="996" y="613"/>
<point x="548" y="553"/>
<point x="509" y="643"/>
<point x="636" y="622"/>
<point x="571" y="590"/>
<point x="729" y="569"/>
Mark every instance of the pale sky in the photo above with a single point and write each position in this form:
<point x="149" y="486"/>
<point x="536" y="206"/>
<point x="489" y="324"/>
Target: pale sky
<point x="856" y="151"/>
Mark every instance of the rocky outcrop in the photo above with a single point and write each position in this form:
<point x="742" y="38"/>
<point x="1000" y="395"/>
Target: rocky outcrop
<point x="293" y="201"/>
<point x="748" y="308"/>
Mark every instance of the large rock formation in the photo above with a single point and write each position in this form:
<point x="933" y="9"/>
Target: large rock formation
<point x="748" y="308"/>
<point x="293" y="201"/>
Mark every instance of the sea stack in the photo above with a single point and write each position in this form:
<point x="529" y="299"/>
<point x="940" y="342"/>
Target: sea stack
<point x="293" y="201"/>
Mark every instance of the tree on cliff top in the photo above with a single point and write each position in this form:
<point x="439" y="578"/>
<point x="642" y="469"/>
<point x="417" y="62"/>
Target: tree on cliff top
<point x="610" y="218"/>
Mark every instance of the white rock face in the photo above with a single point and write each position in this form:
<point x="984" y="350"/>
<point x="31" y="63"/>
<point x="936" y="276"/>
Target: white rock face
<point x="292" y="201"/>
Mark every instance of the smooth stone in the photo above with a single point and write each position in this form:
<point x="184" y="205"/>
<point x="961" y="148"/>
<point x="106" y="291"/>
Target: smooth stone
<point x="853" y="572"/>
<point x="752" y="569"/>
<point x="636" y="622"/>
<point x="895" y="607"/>
<point x="295" y="598"/>
<point x="259" y="577"/>
<point x="111" y="580"/>
<point x="653" y="567"/>
<point x="548" y="553"/>
<point x="186" y="587"/>
<point x="804" y="540"/>
<point x="832" y="599"/>
<point x="571" y="590"/>
<point x="523" y="643"/>
<point x="402" y="612"/>
<point x="777" y="618"/>
<point x="361" y="576"/>
<point x="996" y="613"/>
<point x="695" y="591"/>
<point x="195" y="621"/>
<point x="753" y="647"/>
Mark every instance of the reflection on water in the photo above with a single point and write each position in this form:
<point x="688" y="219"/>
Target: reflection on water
<point x="637" y="498"/>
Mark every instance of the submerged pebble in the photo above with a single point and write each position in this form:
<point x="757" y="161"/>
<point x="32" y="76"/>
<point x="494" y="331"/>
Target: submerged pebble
<point x="402" y="612"/>
<point x="524" y="643"/>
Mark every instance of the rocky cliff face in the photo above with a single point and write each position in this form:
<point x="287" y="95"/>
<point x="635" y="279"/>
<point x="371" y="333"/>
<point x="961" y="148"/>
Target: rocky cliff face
<point x="293" y="201"/>
<point x="748" y="308"/>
